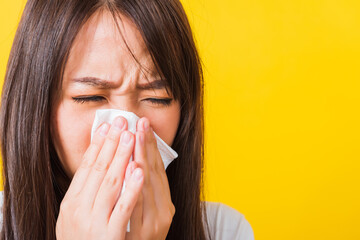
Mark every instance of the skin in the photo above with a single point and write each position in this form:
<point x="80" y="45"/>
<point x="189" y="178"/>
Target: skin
<point x="91" y="208"/>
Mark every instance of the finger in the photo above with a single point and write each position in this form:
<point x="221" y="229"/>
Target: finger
<point x="124" y="207"/>
<point x="103" y="161"/>
<point x="89" y="157"/>
<point x="136" y="219"/>
<point x="154" y="163"/>
<point x="153" y="150"/>
<point x="154" y="160"/>
<point x="161" y="170"/>
<point x="140" y="157"/>
<point x="160" y="189"/>
<point x="137" y="214"/>
<point x="111" y="186"/>
<point x="143" y="125"/>
<point x="139" y="152"/>
<point x="159" y="183"/>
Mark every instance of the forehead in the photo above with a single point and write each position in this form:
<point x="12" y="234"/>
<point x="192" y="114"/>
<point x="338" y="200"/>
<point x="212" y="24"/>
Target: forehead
<point x="99" y="49"/>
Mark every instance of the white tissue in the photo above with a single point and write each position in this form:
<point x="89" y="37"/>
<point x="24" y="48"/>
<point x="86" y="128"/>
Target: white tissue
<point x="108" y="115"/>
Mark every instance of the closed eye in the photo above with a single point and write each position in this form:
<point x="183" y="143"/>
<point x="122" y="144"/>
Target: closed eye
<point x="159" y="101"/>
<point x="88" y="99"/>
<point x="156" y="101"/>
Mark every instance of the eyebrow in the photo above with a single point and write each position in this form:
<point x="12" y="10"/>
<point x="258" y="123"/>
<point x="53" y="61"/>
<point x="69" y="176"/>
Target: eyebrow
<point x="104" y="84"/>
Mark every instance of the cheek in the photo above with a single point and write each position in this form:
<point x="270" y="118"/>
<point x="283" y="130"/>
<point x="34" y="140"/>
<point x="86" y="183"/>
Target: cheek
<point x="166" y="124"/>
<point x="72" y="133"/>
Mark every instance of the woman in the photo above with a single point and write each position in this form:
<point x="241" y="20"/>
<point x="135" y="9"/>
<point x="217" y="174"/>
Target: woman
<point x="72" y="57"/>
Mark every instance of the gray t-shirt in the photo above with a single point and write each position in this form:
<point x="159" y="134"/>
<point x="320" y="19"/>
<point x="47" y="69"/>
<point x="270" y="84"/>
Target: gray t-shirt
<point x="225" y="223"/>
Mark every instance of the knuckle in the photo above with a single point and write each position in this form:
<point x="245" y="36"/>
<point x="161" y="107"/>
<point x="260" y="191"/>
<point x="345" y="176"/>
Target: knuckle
<point x="101" y="165"/>
<point x="124" y="208"/>
<point x="112" y="181"/>
<point x="124" y="148"/>
<point x="86" y="163"/>
<point x="172" y="210"/>
<point x="167" y="219"/>
<point x="112" y="137"/>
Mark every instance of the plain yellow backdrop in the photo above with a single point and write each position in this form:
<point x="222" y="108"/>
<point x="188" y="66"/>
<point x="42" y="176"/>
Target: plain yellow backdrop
<point x="282" y="111"/>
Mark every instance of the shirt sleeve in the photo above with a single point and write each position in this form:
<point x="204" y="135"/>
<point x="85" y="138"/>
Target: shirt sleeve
<point x="226" y="223"/>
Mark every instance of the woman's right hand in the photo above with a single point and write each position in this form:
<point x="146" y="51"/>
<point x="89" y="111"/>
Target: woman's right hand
<point x="91" y="208"/>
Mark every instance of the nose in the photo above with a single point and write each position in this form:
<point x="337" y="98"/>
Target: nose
<point x="125" y="104"/>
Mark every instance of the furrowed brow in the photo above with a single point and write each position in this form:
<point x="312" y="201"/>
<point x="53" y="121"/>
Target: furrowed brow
<point x="104" y="84"/>
<point x="156" y="84"/>
<point x="95" y="82"/>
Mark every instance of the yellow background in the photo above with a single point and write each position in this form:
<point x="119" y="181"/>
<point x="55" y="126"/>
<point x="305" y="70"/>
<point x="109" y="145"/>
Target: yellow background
<point x="282" y="111"/>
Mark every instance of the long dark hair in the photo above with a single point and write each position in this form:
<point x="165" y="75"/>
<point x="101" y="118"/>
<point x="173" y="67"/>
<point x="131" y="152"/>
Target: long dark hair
<point x="34" y="179"/>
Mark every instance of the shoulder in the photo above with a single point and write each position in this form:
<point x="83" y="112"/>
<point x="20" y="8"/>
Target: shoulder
<point x="226" y="222"/>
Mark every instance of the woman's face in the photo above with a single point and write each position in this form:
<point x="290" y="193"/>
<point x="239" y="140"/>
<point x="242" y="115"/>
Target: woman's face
<point x="99" y="54"/>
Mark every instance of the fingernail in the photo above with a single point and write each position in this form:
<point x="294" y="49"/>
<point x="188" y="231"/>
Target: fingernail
<point x="119" y="123"/>
<point x="104" y="129"/>
<point x="138" y="175"/>
<point x="125" y="138"/>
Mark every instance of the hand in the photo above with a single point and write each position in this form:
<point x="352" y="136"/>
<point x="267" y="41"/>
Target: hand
<point x="91" y="208"/>
<point x="154" y="210"/>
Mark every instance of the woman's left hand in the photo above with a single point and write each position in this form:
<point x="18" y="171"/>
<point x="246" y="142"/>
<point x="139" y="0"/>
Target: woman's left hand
<point x="154" y="210"/>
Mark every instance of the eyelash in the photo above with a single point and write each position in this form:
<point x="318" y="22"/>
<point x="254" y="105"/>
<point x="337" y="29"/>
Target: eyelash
<point x="157" y="101"/>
